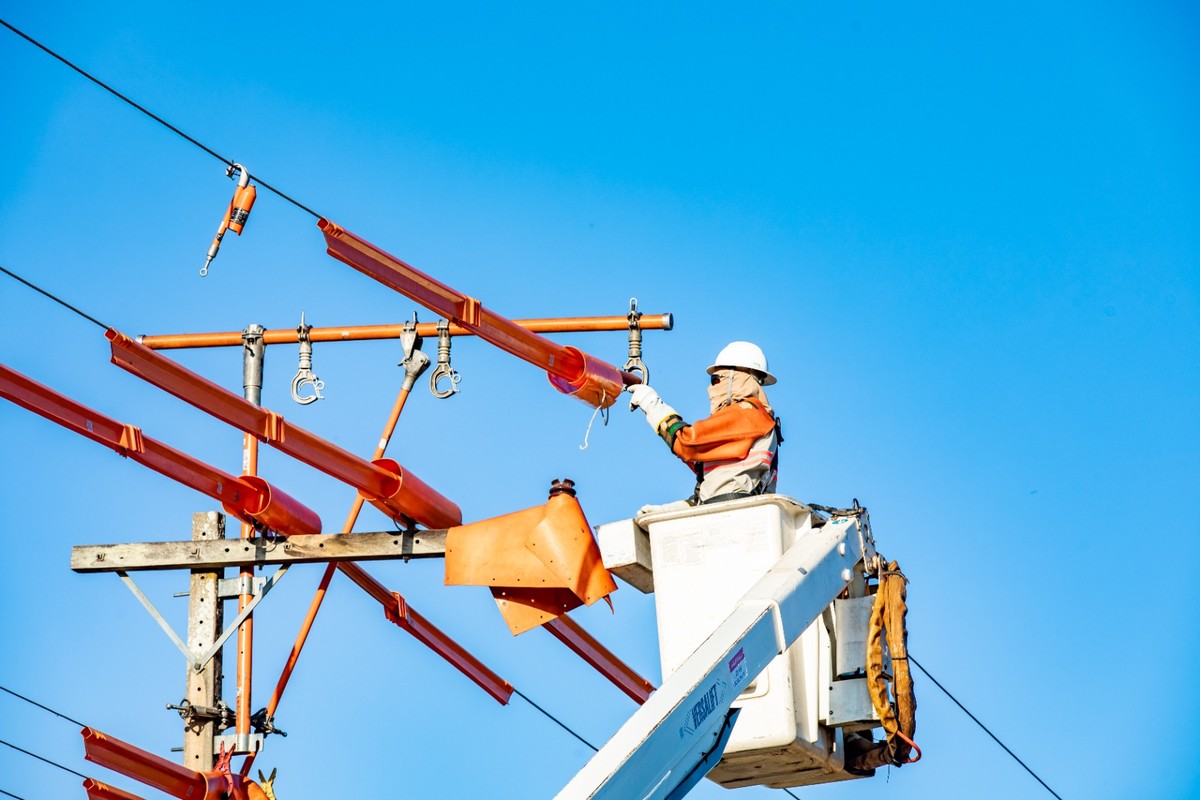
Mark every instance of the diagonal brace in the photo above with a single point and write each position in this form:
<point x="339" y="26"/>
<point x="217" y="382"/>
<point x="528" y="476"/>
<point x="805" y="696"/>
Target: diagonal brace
<point x="198" y="662"/>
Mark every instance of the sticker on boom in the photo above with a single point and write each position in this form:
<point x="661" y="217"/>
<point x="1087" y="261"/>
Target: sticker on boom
<point x="702" y="709"/>
<point x="737" y="667"/>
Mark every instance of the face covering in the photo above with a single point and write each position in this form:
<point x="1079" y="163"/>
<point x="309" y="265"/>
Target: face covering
<point x="732" y="387"/>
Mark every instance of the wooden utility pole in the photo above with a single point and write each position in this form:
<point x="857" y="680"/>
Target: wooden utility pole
<point x="205" y="623"/>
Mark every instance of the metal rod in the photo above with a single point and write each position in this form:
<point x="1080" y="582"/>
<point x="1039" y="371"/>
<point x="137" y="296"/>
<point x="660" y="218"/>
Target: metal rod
<point x="253" y="351"/>
<point x="352" y="333"/>
<point x="319" y="597"/>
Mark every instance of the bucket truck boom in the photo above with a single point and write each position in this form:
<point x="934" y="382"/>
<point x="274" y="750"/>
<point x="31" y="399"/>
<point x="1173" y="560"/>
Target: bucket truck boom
<point x="673" y="740"/>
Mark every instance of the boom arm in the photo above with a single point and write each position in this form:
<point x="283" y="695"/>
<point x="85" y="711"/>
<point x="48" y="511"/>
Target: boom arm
<point x="672" y="741"/>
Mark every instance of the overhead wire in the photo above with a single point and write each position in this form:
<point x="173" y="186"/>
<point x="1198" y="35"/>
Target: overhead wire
<point x="41" y="758"/>
<point x="39" y="705"/>
<point x="229" y="162"/>
<point x="59" y="714"/>
<point x="555" y="719"/>
<point x="981" y="725"/>
<point x="53" y="297"/>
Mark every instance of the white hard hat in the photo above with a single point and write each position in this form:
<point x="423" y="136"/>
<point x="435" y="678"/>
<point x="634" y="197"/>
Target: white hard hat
<point x="743" y="355"/>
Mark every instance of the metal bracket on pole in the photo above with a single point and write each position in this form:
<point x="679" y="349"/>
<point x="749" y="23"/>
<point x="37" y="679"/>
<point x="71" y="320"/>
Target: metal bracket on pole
<point x="240" y="744"/>
<point x="260" y="591"/>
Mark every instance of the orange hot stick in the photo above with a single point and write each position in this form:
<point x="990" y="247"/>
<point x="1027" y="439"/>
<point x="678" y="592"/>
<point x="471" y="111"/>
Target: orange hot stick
<point x="358" y="333"/>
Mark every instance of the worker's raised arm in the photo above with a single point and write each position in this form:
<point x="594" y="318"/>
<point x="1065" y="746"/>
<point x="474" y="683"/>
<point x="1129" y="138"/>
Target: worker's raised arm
<point x="664" y="420"/>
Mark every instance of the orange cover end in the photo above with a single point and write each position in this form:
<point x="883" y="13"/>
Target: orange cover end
<point x="540" y="562"/>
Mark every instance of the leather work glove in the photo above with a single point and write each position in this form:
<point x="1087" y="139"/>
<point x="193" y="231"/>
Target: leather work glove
<point x="651" y="404"/>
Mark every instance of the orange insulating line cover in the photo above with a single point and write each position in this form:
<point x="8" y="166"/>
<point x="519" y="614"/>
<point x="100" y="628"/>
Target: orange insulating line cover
<point x="358" y="333"/>
<point x="416" y="499"/>
<point x="598" y="383"/>
<point x="152" y="770"/>
<point x="427" y="633"/>
<point x="252" y="500"/>
<point x="102" y="791"/>
<point x="540" y="563"/>
<point x="397" y="610"/>
<point x="386" y="490"/>
<point x="623" y="676"/>
<point x="589" y="380"/>
<point x="275" y="509"/>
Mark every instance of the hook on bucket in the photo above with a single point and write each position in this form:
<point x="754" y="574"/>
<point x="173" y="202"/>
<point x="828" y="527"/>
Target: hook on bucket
<point x="443" y="369"/>
<point x="304" y="375"/>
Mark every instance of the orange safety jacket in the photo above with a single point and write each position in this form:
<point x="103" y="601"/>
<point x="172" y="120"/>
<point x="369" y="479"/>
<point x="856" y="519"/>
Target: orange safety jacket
<point x="727" y="439"/>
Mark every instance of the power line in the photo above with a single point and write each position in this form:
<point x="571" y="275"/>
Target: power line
<point x="40" y="758"/>
<point x="560" y="723"/>
<point x="39" y="705"/>
<point x="981" y="725"/>
<point x="10" y="794"/>
<point x="55" y="298"/>
<point x="152" y="115"/>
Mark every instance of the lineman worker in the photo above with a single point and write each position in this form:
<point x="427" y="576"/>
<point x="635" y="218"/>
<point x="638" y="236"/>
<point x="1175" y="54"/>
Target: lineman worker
<point x="735" y="451"/>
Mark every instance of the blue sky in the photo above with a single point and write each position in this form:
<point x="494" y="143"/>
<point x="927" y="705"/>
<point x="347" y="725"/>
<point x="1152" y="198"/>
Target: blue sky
<point x="967" y="238"/>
